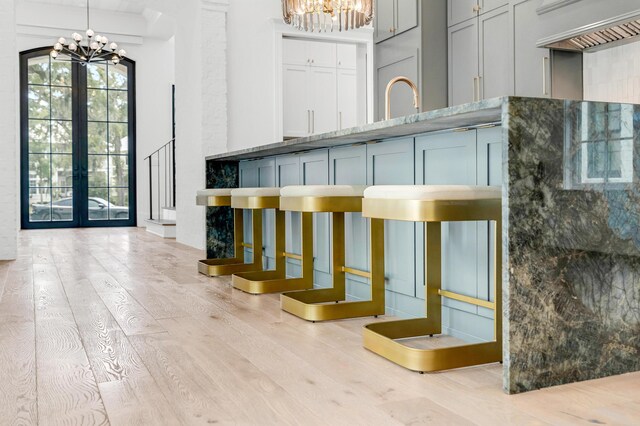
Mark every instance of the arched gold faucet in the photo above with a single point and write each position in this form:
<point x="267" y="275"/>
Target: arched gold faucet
<point x="416" y="95"/>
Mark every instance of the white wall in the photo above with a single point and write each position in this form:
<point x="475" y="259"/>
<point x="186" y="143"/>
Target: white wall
<point x="251" y="72"/>
<point x="201" y="107"/>
<point x="155" y="75"/>
<point x="8" y="133"/>
<point x="613" y="75"/>
<point x="40" y="25"/>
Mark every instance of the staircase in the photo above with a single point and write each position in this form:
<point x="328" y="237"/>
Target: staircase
<point x="162" y="191"/>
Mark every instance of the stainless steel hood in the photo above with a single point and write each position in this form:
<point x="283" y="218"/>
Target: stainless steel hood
<point x="600" y="35"/>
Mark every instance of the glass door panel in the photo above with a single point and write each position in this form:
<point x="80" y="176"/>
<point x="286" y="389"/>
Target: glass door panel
<point x="108" y="142"/>
<point x="49" y="134"/>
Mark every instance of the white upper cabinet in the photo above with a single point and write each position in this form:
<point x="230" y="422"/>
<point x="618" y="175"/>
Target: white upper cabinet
<point x="304" y="52"/>
<point x="297" y="113"/>
<point x="295" y="52"/>
<point x="322" y="54"/>
<point x="347" y="99"/>
<point x="320" y="92"/>
<point x="322" y="100"/>
<point x="347" y="56"/>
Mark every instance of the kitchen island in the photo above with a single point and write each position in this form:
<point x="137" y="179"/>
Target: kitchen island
<point x="571" y="223"/>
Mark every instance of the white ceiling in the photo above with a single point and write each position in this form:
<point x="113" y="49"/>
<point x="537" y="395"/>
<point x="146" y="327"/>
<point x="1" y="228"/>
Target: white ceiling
<point x="124" y="6"/>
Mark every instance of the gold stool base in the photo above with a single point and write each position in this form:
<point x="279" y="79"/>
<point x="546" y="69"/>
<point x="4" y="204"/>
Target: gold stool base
<point x="380" y="338"/>
<point x="320" y="305"/>
<point x="261" y="282"/>
<point x="219" y="267"/>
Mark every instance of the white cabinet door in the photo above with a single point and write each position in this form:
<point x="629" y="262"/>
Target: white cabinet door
<point x="347" y="99"/>
<point x="295" y="101"/>
<point x="322" y="54"/>
<point x="347" y="56"/>
<point x="406" y="15"/>
<point x="463" y="63"/>
<point x="294" y="52"/>
<point x="322" y="88"/>
<point x="384" y="20"/>
<point x="532" y="76"/>
<point x="495" y="61"/>
<point x="462" y="10"/>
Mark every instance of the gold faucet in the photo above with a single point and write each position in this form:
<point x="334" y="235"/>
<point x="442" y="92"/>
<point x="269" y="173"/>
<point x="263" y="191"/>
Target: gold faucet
<point x="416" y="96"/>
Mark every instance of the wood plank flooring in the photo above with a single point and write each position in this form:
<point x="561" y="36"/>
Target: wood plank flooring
<point x="115" y="326"/>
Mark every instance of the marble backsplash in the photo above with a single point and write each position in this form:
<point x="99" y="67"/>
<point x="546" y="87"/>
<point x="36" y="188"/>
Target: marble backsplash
<point x="572" y="285"/>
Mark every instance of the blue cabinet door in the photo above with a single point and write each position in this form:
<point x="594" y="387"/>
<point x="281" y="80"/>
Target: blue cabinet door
<point x="392" y="163"/>
<point x="314" y="170"/>
<point x="347" y="166"/>
<point x="288" y="173"/>
<point x="254" y="174"/>
<point x="489" y="173"/>
<point x="452" y="158"/>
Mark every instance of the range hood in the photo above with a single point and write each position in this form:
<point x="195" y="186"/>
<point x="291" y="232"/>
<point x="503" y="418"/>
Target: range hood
<point x="600" y="35"/>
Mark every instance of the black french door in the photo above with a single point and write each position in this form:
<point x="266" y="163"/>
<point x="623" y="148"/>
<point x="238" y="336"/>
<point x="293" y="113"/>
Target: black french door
<point x="77" y="143"/>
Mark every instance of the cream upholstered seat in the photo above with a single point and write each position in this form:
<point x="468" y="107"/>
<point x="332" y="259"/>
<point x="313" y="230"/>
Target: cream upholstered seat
<point x="323" y="191"/>
<point x="256" y="192"/>
<point x="215" y="192"/>
<point x="214" y="197"/>
<point x="433" y="192"/>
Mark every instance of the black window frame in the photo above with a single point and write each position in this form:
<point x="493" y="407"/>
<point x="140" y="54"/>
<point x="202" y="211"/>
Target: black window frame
<point x="80" y="151"/>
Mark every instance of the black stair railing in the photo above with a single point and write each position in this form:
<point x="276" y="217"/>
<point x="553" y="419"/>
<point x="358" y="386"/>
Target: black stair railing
<point x="162" y="177"/>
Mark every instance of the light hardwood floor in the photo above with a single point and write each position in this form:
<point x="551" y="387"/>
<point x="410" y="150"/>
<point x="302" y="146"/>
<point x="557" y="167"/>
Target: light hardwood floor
<point x="115" y="326"/>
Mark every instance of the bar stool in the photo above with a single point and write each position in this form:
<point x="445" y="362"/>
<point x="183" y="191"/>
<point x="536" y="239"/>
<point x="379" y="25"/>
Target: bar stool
<point x="434" y="205"/>
<point x="226" y="266"/>
<point x="320" y="304"/>
<point x="273" y="281"/>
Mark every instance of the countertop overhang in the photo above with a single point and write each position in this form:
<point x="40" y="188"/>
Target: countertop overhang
<point x="461" y="116"/>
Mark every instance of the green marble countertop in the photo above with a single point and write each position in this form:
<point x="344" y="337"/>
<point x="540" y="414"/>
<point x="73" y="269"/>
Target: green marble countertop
<point x="466" y="115"/>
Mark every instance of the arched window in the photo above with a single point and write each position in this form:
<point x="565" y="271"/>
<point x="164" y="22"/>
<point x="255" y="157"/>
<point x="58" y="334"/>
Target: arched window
<point x="77" y="142"/>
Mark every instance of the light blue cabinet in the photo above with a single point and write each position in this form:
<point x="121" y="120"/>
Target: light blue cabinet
<point x="442" y="158"/>
<point x="253" y="174"/>
<point x="472" y="157"/>
<point x="288" y="173"/>
<point x="489" y="173"/>
<point x="392" y="163"/>
<point x="348" y="166"/>
<point x="314" y="170"/>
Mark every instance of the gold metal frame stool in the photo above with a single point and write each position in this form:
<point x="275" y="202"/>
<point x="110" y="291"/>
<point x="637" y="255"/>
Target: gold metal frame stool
<point x="274" y="281"/>
<point x="227" y="266"/>
<point x="324" y="304"/>
<point x="434" y="205"/>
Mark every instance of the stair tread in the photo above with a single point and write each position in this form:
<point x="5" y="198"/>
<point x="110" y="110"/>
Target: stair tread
<point x="162" y="222"/>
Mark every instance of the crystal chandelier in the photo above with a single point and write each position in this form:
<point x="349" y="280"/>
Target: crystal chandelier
<point x="327" y="15"/>
<point x="96" y="48"/>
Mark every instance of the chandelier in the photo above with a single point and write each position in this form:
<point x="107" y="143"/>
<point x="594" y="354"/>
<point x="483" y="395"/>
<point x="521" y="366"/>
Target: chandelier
<point x="327" y="15"/>
<point x="92" y="49"/>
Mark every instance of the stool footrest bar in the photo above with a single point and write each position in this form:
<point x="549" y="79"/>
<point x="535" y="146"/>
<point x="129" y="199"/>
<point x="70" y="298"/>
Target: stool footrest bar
<point x="467" y="299"/>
